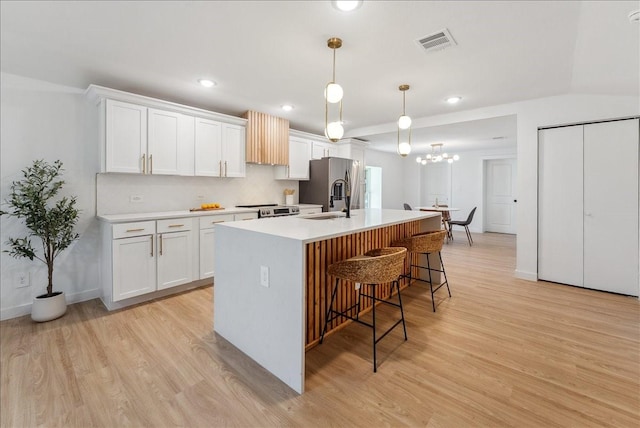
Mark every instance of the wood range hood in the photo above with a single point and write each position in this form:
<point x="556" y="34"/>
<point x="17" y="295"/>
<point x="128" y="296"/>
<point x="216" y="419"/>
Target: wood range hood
<point x="267" y="139"/>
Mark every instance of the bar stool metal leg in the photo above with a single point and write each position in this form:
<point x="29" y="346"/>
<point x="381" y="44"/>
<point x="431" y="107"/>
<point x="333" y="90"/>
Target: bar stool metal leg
<point x="446" y="281"/>
<point x="373" y="310"/>
<point x="328" y="318"/>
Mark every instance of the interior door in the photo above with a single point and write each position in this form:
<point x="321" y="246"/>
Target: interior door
<point x="437" y="184"/>
<point x="500" y="210"/>
<point x="560" y="235"/>
<point x="611" y="206"/>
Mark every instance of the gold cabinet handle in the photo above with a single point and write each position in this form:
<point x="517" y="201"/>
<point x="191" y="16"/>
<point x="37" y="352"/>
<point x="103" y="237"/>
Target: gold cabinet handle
<point x="150" y="164"/>
<point x="135" y="230"/>
<point x="225" y="168"/>
<point x="151" y="245"/>
<point x="160" y="241"/>
<point x="220" y="168"/>
<point x="217" y="221"/>
<point x="176" y="225"/>
<point x="144" y="163"/>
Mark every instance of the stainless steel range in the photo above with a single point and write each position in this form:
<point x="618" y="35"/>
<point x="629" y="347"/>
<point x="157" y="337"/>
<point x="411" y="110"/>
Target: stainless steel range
<point x="273" y="210"/>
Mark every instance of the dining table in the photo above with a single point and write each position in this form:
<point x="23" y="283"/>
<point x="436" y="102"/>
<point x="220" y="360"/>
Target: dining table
<point x="442" y="210"/>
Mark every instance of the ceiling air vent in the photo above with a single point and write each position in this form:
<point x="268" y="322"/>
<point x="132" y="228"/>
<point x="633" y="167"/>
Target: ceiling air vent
<point x="436" y="41"/>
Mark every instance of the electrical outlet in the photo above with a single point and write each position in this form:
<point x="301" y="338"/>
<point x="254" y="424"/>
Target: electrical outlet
<point x="22" y="279"/>
<point x="200" y="197"/>
<point x="264" y="276"/>
<point x="136" y="198"/>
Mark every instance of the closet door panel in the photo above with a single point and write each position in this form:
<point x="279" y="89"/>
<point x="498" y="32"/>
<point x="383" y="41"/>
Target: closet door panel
<point x="611" y="206"/>
<point x="560" y="207"/>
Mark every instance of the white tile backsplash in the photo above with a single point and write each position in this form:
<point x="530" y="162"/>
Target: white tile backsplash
<point x="171" y="193"/>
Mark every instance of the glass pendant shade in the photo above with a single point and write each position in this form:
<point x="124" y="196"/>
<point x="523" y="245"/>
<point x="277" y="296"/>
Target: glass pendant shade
<point x="333" y="93"/>
<point x="419" y="159"/>
<point x="404" y="149"/>
<point x="334" y="131"/>
<point x="404" y="122"/>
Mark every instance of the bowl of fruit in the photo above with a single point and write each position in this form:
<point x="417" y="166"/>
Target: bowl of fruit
<point x="208" y="207"/>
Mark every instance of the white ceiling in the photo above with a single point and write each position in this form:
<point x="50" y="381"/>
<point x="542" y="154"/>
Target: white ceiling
<point x="267" y="53"/>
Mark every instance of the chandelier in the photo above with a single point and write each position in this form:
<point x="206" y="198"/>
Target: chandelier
<point x="404" y="127"/>
<point x="437" y="155"/>
<point x="333" y="129"/>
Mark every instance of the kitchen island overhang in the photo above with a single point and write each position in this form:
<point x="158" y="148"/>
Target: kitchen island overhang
<point x="270" y="279"/>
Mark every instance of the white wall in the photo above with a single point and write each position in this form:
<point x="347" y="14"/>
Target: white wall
<point x="46" y="121"/>
<point x="467" y="184"/>
<point x="531" y="115"/>
<point x="171" y="193"/>
<point x="392" y="177"/>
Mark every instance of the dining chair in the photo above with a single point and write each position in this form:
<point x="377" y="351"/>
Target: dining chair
<point x="407" y="207"/>
<point x="465" y="224"/>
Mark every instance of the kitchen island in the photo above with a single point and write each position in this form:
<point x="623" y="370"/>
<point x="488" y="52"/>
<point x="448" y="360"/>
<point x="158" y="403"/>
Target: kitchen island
<point x="271" y="286"/>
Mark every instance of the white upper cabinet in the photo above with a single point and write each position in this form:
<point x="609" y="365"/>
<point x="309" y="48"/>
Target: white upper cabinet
<point x="208" y="148"/>
<point x="299" y="157"/>
<point x="219" y="149"/>
<point x="143" y="135"/>
<point x="324" y="150"/>
<point x="170" y="143"/>
<point x="126" y="137"/>
<point x="233" y="150"/>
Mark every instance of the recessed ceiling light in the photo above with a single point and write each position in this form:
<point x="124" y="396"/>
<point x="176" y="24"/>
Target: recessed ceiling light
<point x="453" y="100"/>
<point x="634" y="16"/>
<point x="287" y="107"/>
<point x="346" y="6"/>
<point x="207" y="83"/>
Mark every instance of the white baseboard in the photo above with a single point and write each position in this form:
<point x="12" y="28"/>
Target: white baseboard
<point x="529" y="276"/>
<point x="22" y="310"/>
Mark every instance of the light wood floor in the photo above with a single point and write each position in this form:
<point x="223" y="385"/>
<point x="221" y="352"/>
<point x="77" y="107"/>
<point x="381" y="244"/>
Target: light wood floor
<point x="500" y="352"/>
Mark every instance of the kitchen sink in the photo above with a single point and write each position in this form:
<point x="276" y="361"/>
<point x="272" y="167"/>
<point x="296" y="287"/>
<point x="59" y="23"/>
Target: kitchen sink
<point x="325" y="216"/>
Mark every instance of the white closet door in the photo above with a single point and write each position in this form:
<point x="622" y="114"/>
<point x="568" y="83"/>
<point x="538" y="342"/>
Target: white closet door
<point x="560" y="205"/>
<point x="611" y="206"/>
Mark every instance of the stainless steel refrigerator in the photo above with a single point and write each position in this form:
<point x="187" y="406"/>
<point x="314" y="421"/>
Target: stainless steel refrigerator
<point x="326" y="184"/>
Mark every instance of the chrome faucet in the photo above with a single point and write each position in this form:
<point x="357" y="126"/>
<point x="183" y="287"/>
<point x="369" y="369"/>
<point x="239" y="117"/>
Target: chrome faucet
<point x="347" y="193"/>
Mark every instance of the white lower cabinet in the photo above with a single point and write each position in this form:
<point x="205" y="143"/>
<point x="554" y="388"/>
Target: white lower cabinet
<point x="134" y="267"/>
<point x="175" y="252"/>
<point x="144" y="257"/>
<point x="148" y="256"/>
<point x="207" y="239"/>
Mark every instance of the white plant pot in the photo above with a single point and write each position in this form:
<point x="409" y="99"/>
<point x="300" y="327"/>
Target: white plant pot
<point x="48" y="308"/>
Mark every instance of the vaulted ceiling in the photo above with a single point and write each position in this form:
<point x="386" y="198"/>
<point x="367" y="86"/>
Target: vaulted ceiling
<point x="264" y="54"/>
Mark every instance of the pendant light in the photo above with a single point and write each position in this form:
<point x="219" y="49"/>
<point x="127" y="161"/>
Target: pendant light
<point x="437" y="155"/>
<point x="404" y="127"/>
<point x="333" y="129"/>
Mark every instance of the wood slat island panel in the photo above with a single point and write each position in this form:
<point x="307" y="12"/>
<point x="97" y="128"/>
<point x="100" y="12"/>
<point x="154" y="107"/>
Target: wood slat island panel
<point x="320" y="255"/>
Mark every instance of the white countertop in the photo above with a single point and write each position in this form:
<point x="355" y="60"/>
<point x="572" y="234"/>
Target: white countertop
<point x="121" y="218"/>
<point x="306" y="230"/>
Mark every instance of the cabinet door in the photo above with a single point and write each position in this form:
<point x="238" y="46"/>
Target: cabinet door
<point x="208" y="148"/>
<point x="207" y="253"/>
<point x="163" y="148"/>
<point x="560" y="205"/>
<point x="175" y="258"/>
<point x="125" y="137"/>
<point x="233" y="154"/>
<point x="332" y="150"/>
<point x="299" y="156"/>
<point x="134" y="267"/>
<point x="611" y="206"/>
<point x="319" y="150"/>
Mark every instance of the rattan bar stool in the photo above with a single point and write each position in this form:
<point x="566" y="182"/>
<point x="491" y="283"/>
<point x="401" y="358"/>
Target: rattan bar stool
<point x="426" y="243"/>
<point x="374" y="267"/>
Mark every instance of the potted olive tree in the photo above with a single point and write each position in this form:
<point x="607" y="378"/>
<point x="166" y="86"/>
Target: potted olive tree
<point x="50" y="219"/>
